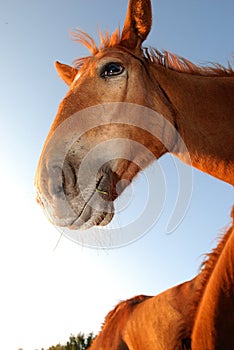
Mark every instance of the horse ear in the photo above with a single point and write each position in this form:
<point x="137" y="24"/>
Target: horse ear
<point x="67" y="73"/>
<point x="137" y="23"/>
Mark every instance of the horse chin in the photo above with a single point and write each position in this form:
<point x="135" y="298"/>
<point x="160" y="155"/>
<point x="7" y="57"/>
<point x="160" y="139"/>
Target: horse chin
<point x="62" y="213"/>
<point x="97" y="219"/>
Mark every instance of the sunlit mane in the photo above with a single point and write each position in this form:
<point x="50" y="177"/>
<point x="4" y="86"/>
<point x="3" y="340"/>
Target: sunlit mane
<point x="129" y="302"/>
<point x="210" y="261"/>
<point x="181" y="64"/>
<point x="164" y="58"/>
<point x="207" y="268"/>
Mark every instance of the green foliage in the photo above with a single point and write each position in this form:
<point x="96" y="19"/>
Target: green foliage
<point x="80" y="342"/>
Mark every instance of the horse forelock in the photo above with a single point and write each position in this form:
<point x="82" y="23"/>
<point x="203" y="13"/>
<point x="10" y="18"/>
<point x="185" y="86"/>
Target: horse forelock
<point x="151" y="55"/>
<point x="106" y="40"/>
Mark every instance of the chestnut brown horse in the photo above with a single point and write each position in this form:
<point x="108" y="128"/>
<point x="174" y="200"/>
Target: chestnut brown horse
<point x="91" y="153"/>
<point x="94" y="143"/>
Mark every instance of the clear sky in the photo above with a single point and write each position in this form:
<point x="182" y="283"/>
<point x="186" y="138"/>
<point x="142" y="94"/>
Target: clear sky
<point x="46" y="294"/>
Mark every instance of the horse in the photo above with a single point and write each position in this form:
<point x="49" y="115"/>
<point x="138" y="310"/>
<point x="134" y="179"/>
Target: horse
<point x="166" y="321"/>
<point x="127" y="106"/>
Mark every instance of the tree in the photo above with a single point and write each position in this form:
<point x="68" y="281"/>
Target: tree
<point x="79" y="342"/>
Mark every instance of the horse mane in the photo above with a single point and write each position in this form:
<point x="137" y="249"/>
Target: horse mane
<point x="122" y="304"/>
<point x="206" y="270"/>
<point x="211" y="259"/>
<point x="151" y="55"/>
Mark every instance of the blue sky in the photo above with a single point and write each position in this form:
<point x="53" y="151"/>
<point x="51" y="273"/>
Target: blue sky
<point x="47" y="294"/>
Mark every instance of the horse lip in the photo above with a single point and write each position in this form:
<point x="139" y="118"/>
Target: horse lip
<point x="98" y="219"/>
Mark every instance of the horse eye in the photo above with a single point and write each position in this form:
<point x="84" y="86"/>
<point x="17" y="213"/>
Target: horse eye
<point x="112" y="69"/>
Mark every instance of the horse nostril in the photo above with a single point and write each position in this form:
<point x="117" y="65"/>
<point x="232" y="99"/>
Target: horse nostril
<point x="55" y="181"/>
<point x="69" y="179"/>
<point x="62" y="181"/>
<point x="69" y="175"/>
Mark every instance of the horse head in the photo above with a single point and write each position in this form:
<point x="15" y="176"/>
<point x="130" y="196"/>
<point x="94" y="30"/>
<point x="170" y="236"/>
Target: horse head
<point x="104" y="131"/>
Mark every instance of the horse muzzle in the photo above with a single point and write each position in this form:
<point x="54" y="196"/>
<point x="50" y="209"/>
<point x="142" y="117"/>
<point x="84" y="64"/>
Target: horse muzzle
<point x="73" y="197"/>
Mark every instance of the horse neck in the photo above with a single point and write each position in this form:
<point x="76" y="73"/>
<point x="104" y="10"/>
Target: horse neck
<point x="201" y="108"/>
<point x="171" y="311"/>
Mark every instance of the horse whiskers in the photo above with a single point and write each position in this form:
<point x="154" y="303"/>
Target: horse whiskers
<point x="58" y="241"/>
